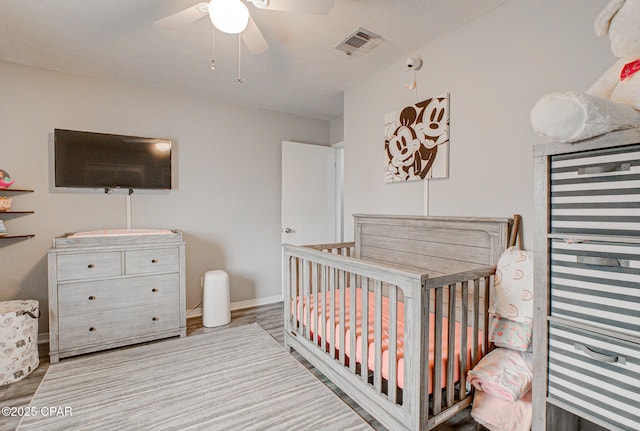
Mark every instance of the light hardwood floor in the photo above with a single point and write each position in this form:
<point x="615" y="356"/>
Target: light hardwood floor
<point x="269" y="317"/>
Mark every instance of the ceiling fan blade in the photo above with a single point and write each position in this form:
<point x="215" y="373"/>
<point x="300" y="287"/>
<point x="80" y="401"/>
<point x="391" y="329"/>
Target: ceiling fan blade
<point x="253" y="38"/>
<point x="184" y="17"/>
<point x="318" y="7"/>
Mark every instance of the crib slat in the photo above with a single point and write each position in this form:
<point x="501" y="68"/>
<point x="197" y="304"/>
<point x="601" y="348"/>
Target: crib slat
<point x="437" y="351"/>
<point x="364" y="363"/>
<point x="476" y="323"/>
<point x="324" y="288"/>
<point x="307" y="280"/>
<point x="485" y="315"/>
<point x="293" y="287"/>
<point x="451" y="345"/>
<point x="425" y="322"/>
<point x="464" y="321"/>
<point x="332" y="307"/>
<point x="352" y="323"/>
<point x="315" y="297"/>
<point x="300" y="288"/>
<point x="392" y="387"/>
<point x="323" y="306"/>
<point x="317" y="280"/>
<point x="342" y="286"/>
<point x="377" y="336"/>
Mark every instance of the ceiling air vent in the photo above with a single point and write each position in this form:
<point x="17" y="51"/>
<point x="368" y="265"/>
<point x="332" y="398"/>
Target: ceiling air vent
<point x="357" y="41"/>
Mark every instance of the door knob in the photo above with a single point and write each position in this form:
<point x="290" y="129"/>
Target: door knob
<point x="288" y="230"/>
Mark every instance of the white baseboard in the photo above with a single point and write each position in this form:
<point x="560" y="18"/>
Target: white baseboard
<point x="240" y="305"/>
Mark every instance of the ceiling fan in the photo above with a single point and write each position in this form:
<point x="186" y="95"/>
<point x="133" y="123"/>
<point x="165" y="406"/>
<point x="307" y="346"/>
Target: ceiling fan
<point x="232" y="16"/>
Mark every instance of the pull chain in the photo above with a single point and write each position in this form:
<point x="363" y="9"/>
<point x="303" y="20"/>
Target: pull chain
<point x="239" y="80"/>
<point x="213" y="48"/>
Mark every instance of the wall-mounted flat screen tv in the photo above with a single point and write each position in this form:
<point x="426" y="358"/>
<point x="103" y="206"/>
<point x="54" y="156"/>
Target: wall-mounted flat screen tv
<point x="100" y="160"/>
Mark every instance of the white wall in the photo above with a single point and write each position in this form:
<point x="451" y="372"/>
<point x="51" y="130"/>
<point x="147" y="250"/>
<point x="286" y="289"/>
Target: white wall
<point x="495" y="69"/>
<point x="226" y="199"/>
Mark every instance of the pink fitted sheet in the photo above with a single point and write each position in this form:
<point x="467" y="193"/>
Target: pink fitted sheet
<point x="385" y="334"/>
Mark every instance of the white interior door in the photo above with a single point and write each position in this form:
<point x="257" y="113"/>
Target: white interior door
<point x="309" y="211"/>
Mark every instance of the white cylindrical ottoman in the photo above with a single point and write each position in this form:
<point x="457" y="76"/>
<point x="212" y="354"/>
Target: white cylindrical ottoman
<point x="216" y="307"/>
<point x="18" y="339"/>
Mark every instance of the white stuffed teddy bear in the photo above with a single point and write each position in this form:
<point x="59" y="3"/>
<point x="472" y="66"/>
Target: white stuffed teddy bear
<point x="613" y="101"/>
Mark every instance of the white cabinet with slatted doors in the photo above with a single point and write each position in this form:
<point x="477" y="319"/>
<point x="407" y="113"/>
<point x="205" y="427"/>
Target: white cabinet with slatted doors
<point x="595" y="375"/>
<point x="111" y="291"/>
<point x="587" y="284"/>
<point x="596" y="283"/>
<point x="596" y="192"/>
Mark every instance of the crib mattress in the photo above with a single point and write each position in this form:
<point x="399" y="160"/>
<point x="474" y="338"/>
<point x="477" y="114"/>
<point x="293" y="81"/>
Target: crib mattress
<point x="385" y="333"/>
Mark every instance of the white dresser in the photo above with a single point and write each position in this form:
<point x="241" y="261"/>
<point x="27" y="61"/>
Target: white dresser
<point x="587" y="284"/>
<point x="114" y="290"/>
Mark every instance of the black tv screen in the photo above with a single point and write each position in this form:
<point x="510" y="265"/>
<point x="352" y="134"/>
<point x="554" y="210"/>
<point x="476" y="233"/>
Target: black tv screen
<point x="100" y="160"/>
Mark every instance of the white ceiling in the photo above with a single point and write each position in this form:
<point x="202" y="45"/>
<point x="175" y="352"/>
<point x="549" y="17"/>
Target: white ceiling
<point x="301" y="73"/>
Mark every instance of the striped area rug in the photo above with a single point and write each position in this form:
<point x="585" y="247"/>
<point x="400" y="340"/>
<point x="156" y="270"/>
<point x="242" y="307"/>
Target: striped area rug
<point x="233" y="379"/>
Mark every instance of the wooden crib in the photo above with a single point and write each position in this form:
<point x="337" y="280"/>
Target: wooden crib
<point x="401" y="280"/>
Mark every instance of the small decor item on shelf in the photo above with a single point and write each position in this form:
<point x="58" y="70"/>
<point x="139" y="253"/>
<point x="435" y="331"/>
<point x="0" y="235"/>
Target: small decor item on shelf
<point x="5" y="179"/>
<point x="3" y="229"/>
<point x="5" y="203"/>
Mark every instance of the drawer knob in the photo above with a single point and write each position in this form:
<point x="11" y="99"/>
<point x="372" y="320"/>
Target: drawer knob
<point x="154" y="260"/>
<point x="600" y="356"/>
<point x="154" y="290"/>
<point x="92" y="329"/>
<point x="155" y="319"/>
<point x="92" y="298"/>
<point x="91" y="266"/>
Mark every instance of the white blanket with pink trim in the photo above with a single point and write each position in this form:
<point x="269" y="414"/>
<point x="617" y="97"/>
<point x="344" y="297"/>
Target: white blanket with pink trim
<point x="503" y="373"/>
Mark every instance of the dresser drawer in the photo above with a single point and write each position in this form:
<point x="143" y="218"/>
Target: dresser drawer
<point x="111" y="326"/>
<point x="596" y="192"/>
<point x="597" y="283"/>
<point x="89" y="265"/>
<point x="150" y="261"/>
<point x="597" y="376"/>
<point x="97" y="296"/>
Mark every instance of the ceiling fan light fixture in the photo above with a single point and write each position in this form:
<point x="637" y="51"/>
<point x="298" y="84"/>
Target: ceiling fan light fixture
<point x="229" y="16"/>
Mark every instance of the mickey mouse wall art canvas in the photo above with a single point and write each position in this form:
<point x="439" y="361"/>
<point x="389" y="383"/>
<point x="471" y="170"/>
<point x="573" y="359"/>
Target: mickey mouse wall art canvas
<point x="417" y="141"/>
